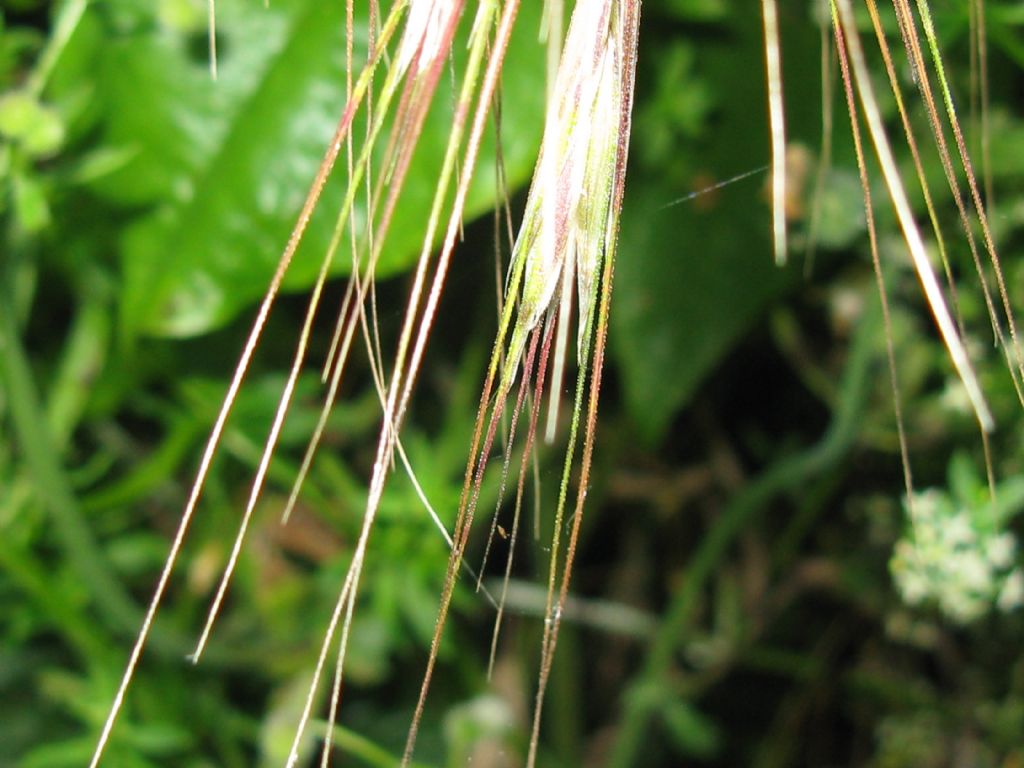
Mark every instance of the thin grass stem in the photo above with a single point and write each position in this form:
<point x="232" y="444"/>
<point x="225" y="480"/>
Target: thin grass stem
<point x="776" y="125"/>
<point x="890" y="171"/>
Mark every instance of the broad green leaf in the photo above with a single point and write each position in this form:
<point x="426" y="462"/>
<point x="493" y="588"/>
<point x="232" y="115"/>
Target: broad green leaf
<point x="224" y="166"/>
<point x="687" y="286"/>
<point x="691" y="278"/>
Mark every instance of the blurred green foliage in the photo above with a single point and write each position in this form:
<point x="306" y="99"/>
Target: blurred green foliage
<point x="747" y="488"/>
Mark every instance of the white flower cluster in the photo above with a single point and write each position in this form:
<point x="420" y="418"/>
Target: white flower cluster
<point x="946" y="557"/>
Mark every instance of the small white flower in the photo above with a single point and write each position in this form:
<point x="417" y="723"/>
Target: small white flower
<point x="1012" y="594"/>
<point x="958" y="531"/>
<point x="954" y="397"/>
<point x="972" y="572"/>
<point x="960" y="607"/>
<point x="913" y="586"/>
<point x="1001" y="550"/>
<point x="927" y="503"/>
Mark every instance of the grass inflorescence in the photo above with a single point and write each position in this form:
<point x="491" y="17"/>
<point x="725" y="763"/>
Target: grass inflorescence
<point x="555" y="305"/>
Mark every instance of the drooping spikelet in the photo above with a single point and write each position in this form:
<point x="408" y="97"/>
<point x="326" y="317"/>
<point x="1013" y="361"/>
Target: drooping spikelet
<point x="566" y="245"/>
<point x="565" y="228"/>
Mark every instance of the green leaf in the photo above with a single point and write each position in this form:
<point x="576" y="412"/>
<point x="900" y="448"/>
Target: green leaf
<point x="30" y="206"/>
<point x="57" y="754"/>
<point x="225" y="165"/>
<point x="843" y="220"/>
<point x="692" y="277"/>
<point x="698" y="10"/>
<point x="692" y="733"/>
<point x="688" y="285"/>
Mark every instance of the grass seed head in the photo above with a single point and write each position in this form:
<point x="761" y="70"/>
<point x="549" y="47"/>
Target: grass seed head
<point x="565" y="227"/>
